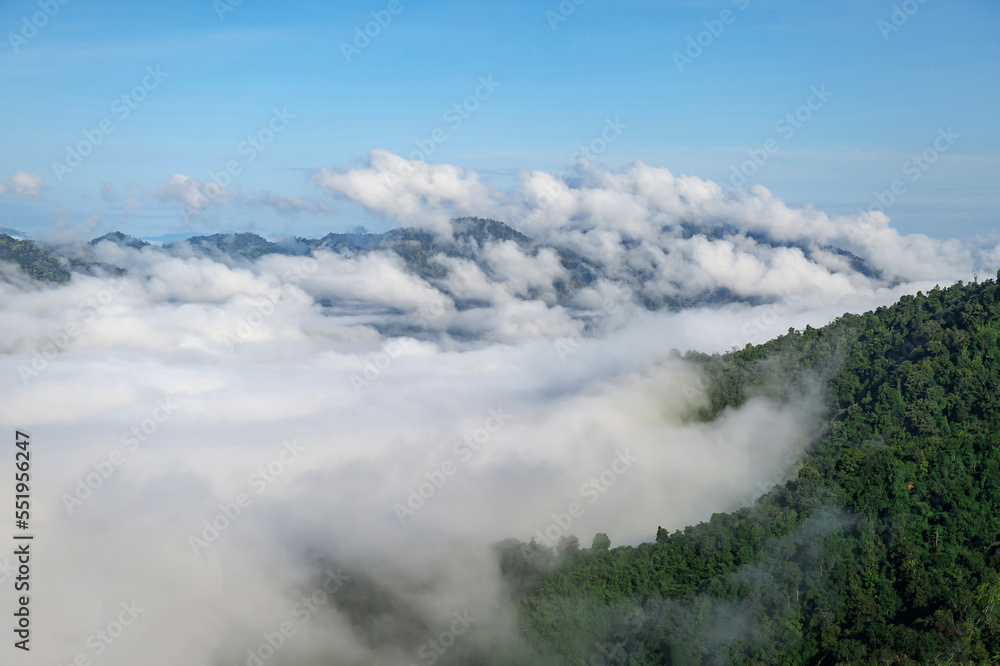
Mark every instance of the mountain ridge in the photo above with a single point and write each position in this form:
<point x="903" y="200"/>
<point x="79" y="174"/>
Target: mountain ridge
<point x="470" y="241"/>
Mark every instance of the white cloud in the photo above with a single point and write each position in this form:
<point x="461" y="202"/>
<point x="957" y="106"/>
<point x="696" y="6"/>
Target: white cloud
<point x="160" y="332"/>
<point x="644" y="216"/>
<point x="411" y="191"/>
<point x="283" y="203"/>
<point x="22" y="184"/>
<point x="193" y="194"/>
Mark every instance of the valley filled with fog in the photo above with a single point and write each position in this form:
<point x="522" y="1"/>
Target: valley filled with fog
<point x="218" y="432"/>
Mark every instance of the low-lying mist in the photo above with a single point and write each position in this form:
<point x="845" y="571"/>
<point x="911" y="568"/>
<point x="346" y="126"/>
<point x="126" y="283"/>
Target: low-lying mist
<point x="244" y="462"/>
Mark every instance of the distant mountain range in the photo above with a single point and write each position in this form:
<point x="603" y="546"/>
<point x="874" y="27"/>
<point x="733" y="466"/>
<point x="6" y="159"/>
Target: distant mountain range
<point x="15" y="233"/>
<point x="424" y="254"/>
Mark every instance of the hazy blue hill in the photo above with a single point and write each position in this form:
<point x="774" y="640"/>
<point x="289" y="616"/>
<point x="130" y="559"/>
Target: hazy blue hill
<point x="482" y="230"/>
<point x="345" y="243"/>
<point x="166" y="239"/>
<point x="242" y="245"/>
<point x="419" y="248"/>
<point x="15" y="233"/>
<point x="95" y="268"/>
<point x="118" y="238"/>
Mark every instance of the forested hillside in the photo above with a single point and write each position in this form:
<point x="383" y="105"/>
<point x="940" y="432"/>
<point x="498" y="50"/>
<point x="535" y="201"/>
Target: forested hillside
<point x="884" y="550"/>
<point x="33" y="260"/>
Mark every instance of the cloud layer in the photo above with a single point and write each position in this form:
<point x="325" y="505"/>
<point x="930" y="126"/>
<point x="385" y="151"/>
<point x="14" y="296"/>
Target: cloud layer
<point x="330" y="442"/>
<point x="682" y="228"/>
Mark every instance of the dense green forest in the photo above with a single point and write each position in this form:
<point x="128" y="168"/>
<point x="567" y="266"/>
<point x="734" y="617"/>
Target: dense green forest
<point x="33" y="260"/>
<point x="884" y="550"/>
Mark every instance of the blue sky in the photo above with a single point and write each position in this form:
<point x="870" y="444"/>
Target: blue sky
<point x="892" y="92"/>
